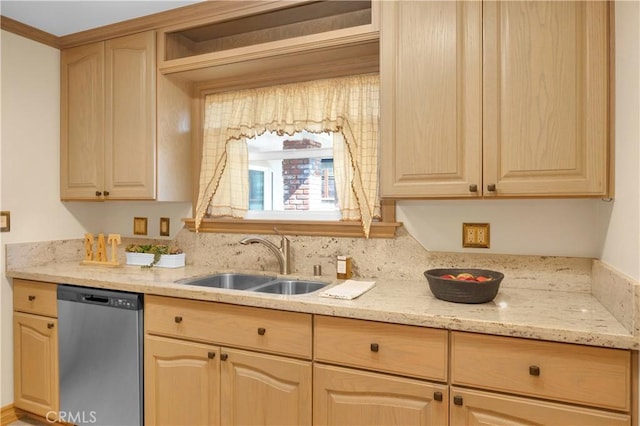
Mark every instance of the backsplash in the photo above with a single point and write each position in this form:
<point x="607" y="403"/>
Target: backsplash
<point x="402" y="258"/>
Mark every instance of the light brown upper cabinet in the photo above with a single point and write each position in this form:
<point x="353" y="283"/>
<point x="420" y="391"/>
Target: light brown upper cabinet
<point x="109" y="148"/>
<point x="108" y="96"/>
<point x="495" y="99"/>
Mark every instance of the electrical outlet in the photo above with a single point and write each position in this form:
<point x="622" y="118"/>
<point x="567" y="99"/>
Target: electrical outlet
<point x="475" y="235"/>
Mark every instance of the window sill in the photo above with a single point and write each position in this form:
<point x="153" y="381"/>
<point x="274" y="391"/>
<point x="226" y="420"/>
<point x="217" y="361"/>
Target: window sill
<point x="314" y="228"/>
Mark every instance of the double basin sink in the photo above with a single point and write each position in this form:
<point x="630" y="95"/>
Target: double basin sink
<point x="255" y="283"/>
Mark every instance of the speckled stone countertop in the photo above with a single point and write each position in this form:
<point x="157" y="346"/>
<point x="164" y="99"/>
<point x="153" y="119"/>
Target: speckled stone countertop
<point x="562" y="316"/>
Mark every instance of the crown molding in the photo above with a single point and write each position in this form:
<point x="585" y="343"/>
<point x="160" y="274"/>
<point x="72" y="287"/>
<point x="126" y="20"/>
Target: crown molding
<point x="29" y="32"/>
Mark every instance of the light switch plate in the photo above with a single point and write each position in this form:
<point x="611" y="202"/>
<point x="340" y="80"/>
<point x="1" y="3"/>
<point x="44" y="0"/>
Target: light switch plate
<point x="5" y="221"/>
<point x="165" y="228"/>
<point x="475" y="235"/>
<point x="140" y="226"/>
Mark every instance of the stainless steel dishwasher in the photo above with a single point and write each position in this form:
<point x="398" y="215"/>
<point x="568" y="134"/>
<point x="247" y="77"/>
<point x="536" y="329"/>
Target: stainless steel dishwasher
<point x="101" y="356"/>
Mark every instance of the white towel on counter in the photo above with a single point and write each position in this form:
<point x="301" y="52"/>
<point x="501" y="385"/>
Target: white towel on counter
<point x="349" y="289"/>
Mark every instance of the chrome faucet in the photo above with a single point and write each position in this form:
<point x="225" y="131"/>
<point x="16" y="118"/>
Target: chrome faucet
<point x="283" y="253"/>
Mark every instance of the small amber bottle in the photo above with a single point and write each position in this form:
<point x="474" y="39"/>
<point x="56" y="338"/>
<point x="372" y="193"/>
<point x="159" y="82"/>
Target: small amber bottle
<point x="343" y="268"/>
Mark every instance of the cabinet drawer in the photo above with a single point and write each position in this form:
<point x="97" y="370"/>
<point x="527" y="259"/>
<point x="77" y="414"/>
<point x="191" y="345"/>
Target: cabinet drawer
<point x="573" y="373"/>
<point x="35" y="297"/>
<point x="267" y="330"/>
<point x="401" y="349"/>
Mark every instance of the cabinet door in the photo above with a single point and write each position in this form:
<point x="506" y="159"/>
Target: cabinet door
<point x="350" y="397"/>
<point x="35" y="342"/>
<point x="82" y="122"/>
<point x="469" y="407"/>
<point x="546" y="104"/>
<point x="130" y="155"/>
<point x="264" y="389"/>
<point x="182" y="382"/>
<point x="430" y="98"/>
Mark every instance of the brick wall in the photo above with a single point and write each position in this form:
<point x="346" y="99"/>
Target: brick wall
<point x="302" y="179"/>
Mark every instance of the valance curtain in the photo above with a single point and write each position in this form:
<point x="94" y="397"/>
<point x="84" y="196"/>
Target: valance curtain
<point x="347" y="106"/>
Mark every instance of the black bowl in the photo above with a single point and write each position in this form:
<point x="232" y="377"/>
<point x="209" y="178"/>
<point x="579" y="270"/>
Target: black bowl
<point x="461" y="291"/>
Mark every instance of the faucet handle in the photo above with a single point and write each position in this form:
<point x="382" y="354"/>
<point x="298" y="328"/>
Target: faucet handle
<point x="277" y="231"/>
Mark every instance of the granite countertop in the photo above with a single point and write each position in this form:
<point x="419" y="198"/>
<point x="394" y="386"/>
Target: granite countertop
<point x="561" y="316"/>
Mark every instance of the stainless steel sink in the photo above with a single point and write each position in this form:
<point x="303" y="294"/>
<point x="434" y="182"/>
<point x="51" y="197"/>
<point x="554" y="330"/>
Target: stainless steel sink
<point x="257" y="283"/>
<point x="229" y="280"/>
<point x="290" y="287"/>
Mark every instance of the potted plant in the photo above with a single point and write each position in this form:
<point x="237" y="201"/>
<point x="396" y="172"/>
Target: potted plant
<point x="150" y="255"/>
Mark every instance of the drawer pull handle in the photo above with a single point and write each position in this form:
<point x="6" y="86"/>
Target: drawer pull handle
<point x="534" y="370"/>
<point x="211" y="355"/>
<point x="49" y="325"/>
<point x="457" y="400"/>
<point x="224" y="356"/>
<point x="261" y="331"/>
<point x="437" y="396"/>
<point x="375" y="347"/>
<point x="178" y="320"/>
<point x="31" y="298"/>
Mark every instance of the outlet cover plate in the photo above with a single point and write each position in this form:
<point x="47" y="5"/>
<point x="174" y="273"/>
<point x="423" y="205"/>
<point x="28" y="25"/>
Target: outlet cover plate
<point x="475" y="235"/>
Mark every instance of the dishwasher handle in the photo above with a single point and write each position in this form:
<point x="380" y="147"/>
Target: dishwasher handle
<point x="92" y="298"/>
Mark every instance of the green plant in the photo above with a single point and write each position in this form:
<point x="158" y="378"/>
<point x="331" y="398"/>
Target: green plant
<point x="156" y="249"/>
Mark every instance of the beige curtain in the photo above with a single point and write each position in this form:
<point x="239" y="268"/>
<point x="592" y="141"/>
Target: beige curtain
<point x="348" y="106"/>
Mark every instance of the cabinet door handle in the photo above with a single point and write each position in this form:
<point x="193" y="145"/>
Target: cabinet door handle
<point x="178" y="320"/>
<point x="211" y="355"/>
<point x="224" y="356"/>
<point x="98" y="193"/>
<point x="437" y="396"/>
<point x="534" y="370"/>
<point x="491" y="187"/>
<point x="473" y="188"/>
<point x="261" y="331"/>
<point x="375" y="347"/>
<point x="106" y="193"/>
<point x="31" y="298"/>
<point x="457" y="400"/>
<point x="49" y="325"/>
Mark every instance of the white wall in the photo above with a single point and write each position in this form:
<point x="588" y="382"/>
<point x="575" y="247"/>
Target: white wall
<point x="621" y="248"/>
<point x="29" y="175"/>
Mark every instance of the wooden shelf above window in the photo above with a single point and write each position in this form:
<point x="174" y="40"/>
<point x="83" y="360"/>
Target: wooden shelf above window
<point x="273" y="37"/>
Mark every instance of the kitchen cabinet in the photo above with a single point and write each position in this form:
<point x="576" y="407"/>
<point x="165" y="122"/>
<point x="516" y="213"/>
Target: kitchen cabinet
<point x="344" y="396"/>
<point x="108" y="119"/>
<point x="35" y="340"/>
<point x="264" y="389"/>
<point x="472" y="407"/>
<point x="491" y="99"/>
<point x="182" y="382"/>
<point x="350" y="396"/>
<point x="577" y="375"/>
<point x="258" y="352"/>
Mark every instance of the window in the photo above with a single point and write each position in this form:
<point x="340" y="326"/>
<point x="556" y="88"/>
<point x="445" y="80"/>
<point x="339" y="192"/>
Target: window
<point x="240" y="179"/>
<point x="292" y="177"/>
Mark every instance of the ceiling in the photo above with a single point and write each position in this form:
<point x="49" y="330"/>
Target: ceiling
<point x="62" y="18"/>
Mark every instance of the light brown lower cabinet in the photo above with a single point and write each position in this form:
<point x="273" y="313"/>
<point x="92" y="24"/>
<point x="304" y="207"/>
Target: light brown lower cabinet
<point x="472" y="407"/>
<point x="260" y="389"/>
<point x="344" y="396"/>
<point x="36" y="363"/>
<point x="35" y="347"/>
<point x="182" y="382"/>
